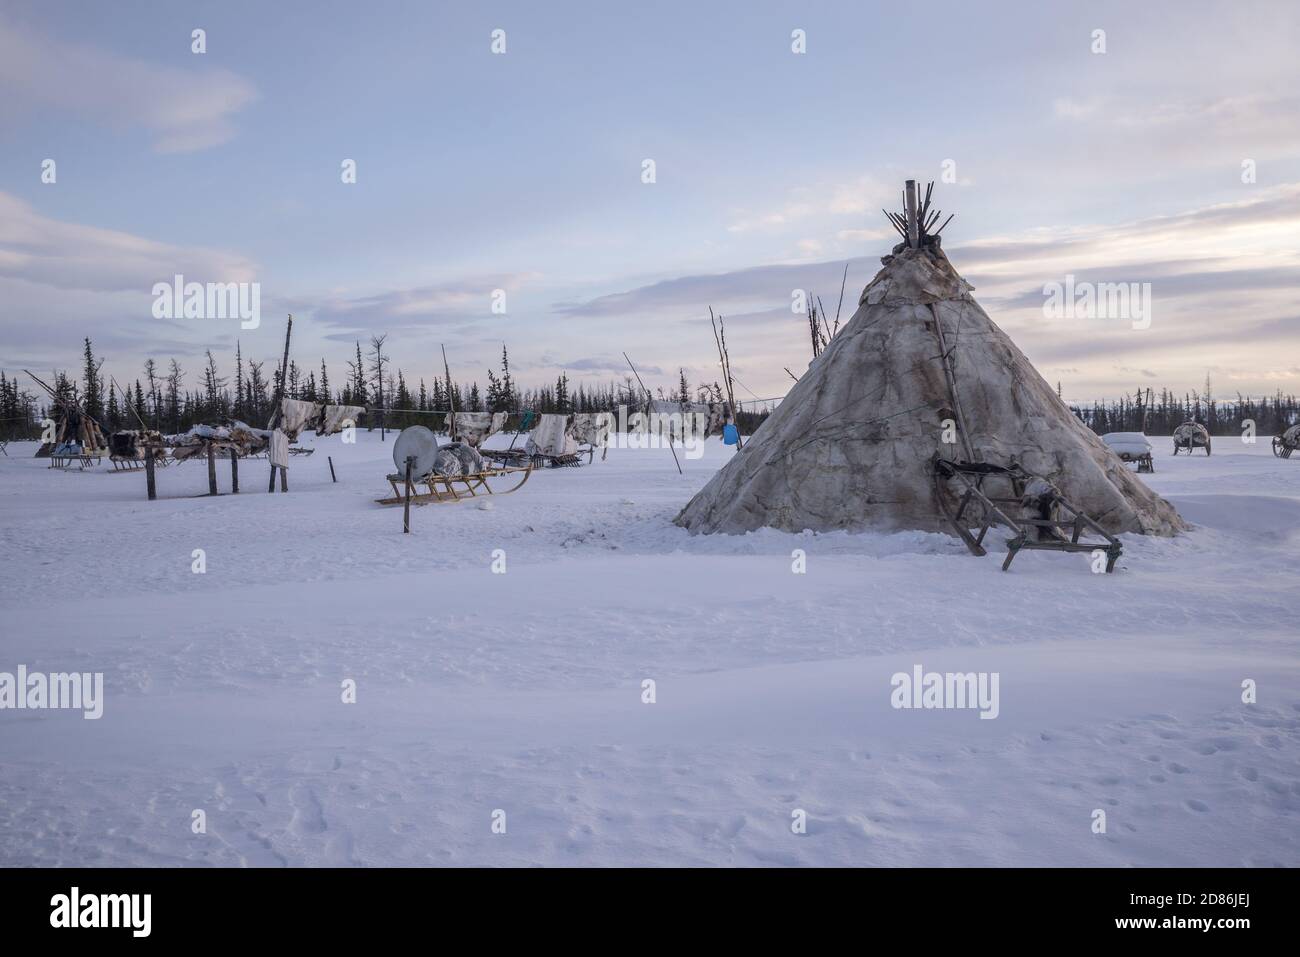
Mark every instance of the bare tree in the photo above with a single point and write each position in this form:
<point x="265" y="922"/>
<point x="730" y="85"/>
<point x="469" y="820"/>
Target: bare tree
<point x="377" y="359"/>
<point x="175" y="379"/>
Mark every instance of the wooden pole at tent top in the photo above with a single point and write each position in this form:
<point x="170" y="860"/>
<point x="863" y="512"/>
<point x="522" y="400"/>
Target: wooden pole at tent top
<point x="913" y="230"/>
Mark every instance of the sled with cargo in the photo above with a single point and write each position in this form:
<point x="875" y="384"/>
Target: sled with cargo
<point x="447" y="473"/>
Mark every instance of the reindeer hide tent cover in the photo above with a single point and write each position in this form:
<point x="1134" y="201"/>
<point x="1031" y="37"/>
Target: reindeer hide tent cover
<point x="473" y="428"/>
<point x="853" y="444"/>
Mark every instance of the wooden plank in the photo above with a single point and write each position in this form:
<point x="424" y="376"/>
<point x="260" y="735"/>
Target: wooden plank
<point x="406" y="512"/>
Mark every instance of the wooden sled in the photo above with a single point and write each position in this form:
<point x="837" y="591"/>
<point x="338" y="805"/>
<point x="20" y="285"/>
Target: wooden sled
<point x="452" y="488"/>
<point x="572" y="460"/>
<point x="506" y="458"/>
<point x="122" y="463"/>
<point x="83" y="461"/>
<point x="1281" y="448"/>
<point x="1191" y="444"/>
<point x="1028" y="533"/>
<point x="518" y="458"/>
<point x="1144" y="461"/>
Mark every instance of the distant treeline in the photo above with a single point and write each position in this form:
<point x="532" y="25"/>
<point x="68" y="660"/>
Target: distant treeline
<point x="1161" y="413"/>
<point x="244" y="390"/>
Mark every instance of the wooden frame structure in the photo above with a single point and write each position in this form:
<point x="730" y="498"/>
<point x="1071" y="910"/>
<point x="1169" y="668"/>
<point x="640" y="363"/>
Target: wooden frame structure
<point x="1197" y="439"/>
<point x="122" y="463"/>
<point x="443" y="488"/>
<point x="84" y="460"/>
<point x="1027" y="533"/>
<point x="518" y="458"/>
<point x="1145" y="463"/>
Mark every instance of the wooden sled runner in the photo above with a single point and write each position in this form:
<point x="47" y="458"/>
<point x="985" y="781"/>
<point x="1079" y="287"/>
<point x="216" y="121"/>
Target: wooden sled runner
<point x="1047" y="534"/>
<point x="1191" y="436"/>
<point x="1145" y="463"/>
<point x="66" y="460"/>
<point x="453" y="488"/>
<point x="1287" y="443"/>
<point x="519" y="457"/>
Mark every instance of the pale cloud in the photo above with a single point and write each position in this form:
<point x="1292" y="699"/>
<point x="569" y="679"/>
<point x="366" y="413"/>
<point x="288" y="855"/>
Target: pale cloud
<point x="48" y="252"/>
<point x="864" y="235"/>
<point x="604" y="365"/>
<point x="447" y="305"/>
<point x="184" y="109"/>
<point x="1202" y="116"/>
<point x="814" y="203"/>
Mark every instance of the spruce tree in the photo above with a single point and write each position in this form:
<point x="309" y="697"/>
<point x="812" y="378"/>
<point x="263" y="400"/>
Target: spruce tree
<point x="94" y="396"/>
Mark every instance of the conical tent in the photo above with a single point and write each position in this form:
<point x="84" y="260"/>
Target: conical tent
<point x="854" y="444"/>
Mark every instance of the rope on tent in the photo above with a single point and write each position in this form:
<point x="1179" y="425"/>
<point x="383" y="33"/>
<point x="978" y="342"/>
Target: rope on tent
<point x="946" y="356"/>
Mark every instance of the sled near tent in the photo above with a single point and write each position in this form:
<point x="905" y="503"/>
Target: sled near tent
<point x="1131" y="447"/>
<point x="557" y="440"/>
<point x="551" y="445"/>
<point x="1191" y="435"/>
<point x="128" y="449"/>
<point x="920" y="374"/>
<point x="449" y="473"/>
<point x="1287" y="442"/>
<point x="453" y="488"/>
<point x="78" y="436"/>
<point x="67" y="455"/>
<point x="1041" y="531"/>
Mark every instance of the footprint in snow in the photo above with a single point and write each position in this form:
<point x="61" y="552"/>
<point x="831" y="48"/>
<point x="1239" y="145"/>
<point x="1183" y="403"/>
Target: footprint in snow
<point x="308" y="817"/>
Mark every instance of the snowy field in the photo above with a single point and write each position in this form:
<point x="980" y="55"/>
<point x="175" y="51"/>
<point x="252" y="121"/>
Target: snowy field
<point x="522" y="691"/>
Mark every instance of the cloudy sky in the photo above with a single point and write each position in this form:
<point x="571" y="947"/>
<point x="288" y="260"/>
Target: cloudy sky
<point x="523" y="172"/>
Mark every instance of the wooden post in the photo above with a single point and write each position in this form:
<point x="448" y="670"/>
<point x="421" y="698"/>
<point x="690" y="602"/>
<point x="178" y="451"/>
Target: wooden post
<point x="279" y="391"/>
<point x="333" y="477"/>
<point x="284" y="479"/>
<point x="406" y="509"/>
<point x="913" y="233"/>
<point x="212" y="471"/>
<point x="234" y="472"/>
<point x="149" y="474"/>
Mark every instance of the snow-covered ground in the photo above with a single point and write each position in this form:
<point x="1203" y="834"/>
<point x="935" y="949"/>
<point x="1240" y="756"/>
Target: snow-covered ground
<point x="522" y="691"/>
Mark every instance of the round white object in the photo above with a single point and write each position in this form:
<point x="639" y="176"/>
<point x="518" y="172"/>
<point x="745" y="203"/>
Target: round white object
<point x="419" y="442"/>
